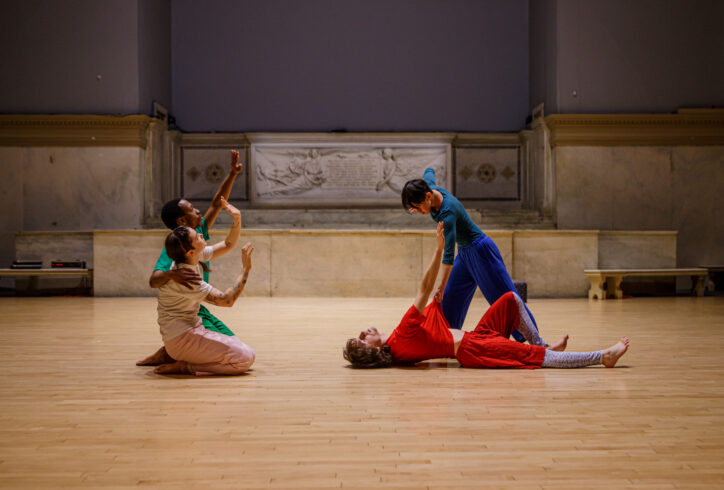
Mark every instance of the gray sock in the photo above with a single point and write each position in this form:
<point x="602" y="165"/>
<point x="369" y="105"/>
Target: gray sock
<point x="526" y="327"/>
<point x="555" y="359"/>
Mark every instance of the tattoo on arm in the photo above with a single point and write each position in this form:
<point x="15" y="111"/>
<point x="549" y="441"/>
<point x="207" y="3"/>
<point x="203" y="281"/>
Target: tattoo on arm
<point x="228" y="297"/>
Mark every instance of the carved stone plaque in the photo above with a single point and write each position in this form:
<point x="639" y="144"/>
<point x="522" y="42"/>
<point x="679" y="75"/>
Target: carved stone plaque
<point x="203" y="170"/>
<point x="355" y="174"/>
<point x="487" y="174"/>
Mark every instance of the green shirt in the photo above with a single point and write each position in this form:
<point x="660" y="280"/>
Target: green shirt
<point x="164" y="261"/>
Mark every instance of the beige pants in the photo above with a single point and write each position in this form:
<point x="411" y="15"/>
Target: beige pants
<point x="206" y="352"/>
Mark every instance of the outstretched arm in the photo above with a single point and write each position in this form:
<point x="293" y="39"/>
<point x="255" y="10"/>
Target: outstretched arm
<point x="428" y="280"/>
<point x="448" y="257"/>
<point x="222" y="248"/>
<point x="229" y="297"/>
<point x="224" y="189"/>
<point x="429" y="176"/>
<point x="440" y="291"/>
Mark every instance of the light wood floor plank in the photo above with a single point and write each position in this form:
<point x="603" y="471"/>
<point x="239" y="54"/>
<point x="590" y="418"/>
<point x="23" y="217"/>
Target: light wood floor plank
<point x="76" y="413"/>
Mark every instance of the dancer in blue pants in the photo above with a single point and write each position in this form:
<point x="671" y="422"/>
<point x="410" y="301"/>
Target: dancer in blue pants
<point x="478" y="262"/>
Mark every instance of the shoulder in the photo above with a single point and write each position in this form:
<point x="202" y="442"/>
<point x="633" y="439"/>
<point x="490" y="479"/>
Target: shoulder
<point x="447" y="215"/>
<point x="164" y="262"/>
<point x="450" y="204"/>
<point x="203" y="229"/>
<point x="411" y="319"/>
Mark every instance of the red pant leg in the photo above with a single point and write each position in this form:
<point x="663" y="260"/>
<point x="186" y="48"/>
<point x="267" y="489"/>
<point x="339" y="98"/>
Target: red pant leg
<point x="489" y="350"/>
<point x="501" y="318"/>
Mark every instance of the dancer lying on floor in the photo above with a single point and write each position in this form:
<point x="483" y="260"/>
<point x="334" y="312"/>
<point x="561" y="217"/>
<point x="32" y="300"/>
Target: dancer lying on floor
<point x="192" y="347"/>
<point x="423" y="335"/>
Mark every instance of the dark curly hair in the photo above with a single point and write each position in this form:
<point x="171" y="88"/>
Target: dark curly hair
<point x="170" y="212"/>
<point x="363" y="357"/>
<point x="414" y="192"/>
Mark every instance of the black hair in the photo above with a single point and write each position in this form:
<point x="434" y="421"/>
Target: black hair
<point x="178" y="242"/>
<point x="414" y="192"/>
<point x="171" y="212"/>
<point x="363" y="357"/>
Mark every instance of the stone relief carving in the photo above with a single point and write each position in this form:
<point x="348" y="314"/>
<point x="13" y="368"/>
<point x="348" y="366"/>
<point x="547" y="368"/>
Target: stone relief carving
<point x="341" y="175"/>
<point x="203" y="169"/>
<point x="488" y="173"/>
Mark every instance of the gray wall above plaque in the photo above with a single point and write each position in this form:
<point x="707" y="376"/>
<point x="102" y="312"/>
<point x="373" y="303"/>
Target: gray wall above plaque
<point x="487" y="173"/>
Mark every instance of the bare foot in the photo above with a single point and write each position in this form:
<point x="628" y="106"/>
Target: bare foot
<point x="613" y="353"/>
<point x="177" y="367"/>
<point x="560" y="346"/>
<point x="158" y="357"/>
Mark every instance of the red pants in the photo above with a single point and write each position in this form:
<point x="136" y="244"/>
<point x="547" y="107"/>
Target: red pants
<point x="488" y="346"/>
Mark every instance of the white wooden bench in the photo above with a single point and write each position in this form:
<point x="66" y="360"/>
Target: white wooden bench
<point x="607" y="282"/>
<point x="57" y="272"/>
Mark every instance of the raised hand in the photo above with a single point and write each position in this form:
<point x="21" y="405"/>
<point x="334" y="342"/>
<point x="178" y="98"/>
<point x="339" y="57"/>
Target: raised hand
<point x="246" y="251"/>
<point x="439" y="292"/>
<point x="236" y="167"/>
<point x="229" y="208"/>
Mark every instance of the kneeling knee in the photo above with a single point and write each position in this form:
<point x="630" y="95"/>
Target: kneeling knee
<point x="243" y="361"/>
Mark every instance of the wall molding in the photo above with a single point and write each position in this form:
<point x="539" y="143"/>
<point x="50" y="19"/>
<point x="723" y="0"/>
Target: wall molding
<point x="73" y="130"/>
<point x="688" y="127"/>
<point x="463" y="140"/>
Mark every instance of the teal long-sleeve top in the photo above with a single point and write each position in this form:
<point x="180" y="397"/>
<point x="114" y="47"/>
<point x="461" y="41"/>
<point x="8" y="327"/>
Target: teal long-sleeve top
<point x="457" y="225"/>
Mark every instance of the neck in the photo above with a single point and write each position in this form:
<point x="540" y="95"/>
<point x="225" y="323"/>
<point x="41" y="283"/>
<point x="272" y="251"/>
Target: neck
<point x="384" y="337"/>
<point x="436" y="199"/>
<point x="191" y="261"/>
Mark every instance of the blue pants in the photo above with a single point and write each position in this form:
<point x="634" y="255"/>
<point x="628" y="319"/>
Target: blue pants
<point x="478" y="264"/>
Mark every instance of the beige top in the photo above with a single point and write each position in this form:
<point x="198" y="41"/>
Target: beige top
<point x="178" y="306"/>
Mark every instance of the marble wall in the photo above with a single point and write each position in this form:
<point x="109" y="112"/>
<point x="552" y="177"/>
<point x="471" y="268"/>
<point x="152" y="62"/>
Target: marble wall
<point x="124" y="261"/>
<point x="69" y="189"/>
<point x="372" y="263"/>
<point x="646" y="188"/>
<point x="11" y="219"/>
<point x="698" y="206"/>
<point x="49" y="246"/>
<point x="82" y="188"/>
<point x="552" y="262"/>
<point x="636" y="249"/>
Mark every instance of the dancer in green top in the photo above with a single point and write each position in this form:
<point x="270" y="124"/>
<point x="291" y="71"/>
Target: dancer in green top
<point x="180" y="212"/>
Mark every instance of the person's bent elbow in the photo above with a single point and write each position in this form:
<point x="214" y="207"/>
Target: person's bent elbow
<point x="156" y="280"/>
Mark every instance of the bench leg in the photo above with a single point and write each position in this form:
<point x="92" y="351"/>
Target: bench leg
<point x="596" y="290"/>
<point x="699" y="287"/>
<point x="614" y="287"/>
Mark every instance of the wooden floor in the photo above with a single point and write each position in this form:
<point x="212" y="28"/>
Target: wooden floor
<point x="76" y="413"/>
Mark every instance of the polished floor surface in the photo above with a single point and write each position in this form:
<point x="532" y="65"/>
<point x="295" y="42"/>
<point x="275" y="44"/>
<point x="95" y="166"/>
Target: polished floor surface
<point x="75" y="412"/>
